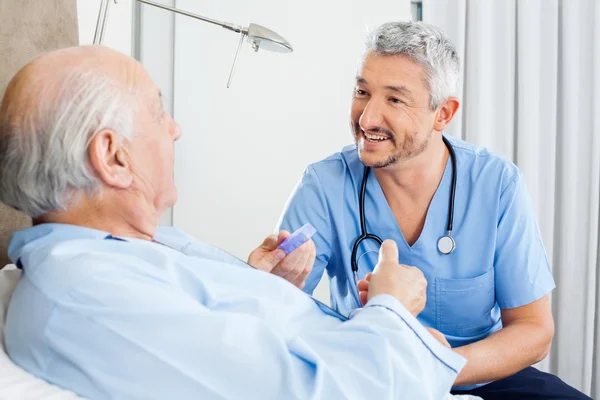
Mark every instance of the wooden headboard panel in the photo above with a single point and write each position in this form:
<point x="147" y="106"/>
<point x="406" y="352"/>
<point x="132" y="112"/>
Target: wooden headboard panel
<point x="29" y="28"/>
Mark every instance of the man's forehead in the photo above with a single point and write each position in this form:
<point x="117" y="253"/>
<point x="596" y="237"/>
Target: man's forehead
<point x="145" y="86"/>
<point x="389" y="63"/>
<point x="389" y="70"/>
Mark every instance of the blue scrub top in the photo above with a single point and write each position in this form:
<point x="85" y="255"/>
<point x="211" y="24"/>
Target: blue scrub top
<point x="499" y="261"/>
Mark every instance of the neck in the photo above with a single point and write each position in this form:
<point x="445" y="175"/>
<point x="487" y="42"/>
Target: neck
<point x="122" y="220"/>
<point x="419" y="176"/>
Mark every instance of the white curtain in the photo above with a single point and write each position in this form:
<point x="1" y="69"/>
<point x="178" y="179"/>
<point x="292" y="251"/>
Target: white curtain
<point x="531" y="92"/>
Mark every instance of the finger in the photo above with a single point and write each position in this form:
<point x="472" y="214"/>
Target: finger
<point x="301" y="279"/>
<point x="292" y="261"/>
<point x="369" y="276"/>
<point x="307" y="268"/>
<point x="270" y="260"/>
<point x="312" y="252"/>
<point x="282" y="236"/>
<point x="388" y="251"/>
<point x="301" y="263"/>
<point x="363" y="285"/>
<point x="363" y="297"/>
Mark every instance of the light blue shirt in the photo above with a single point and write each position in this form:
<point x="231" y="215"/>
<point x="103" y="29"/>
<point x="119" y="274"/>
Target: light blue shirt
<point x="499" y="260"/>
<point x="125" y="318"/>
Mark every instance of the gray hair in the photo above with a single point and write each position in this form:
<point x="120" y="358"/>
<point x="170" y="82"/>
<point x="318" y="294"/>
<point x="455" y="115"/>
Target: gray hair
<point x="44" y="163"/>
<point x="428" y="46"/>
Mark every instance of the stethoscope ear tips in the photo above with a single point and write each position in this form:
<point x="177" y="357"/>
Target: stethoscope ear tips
<point x="446" y="244"/>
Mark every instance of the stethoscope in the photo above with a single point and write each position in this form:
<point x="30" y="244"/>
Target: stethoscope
<point x="445" y="244"/>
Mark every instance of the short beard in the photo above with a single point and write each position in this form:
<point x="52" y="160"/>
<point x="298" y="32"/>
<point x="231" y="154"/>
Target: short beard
<point x="405" y="151"/>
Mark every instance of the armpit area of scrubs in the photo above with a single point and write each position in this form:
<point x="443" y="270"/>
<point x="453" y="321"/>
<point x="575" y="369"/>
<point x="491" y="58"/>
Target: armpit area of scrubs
<point x="499" y="260"/>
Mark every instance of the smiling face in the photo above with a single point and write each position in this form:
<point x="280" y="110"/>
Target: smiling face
<point x="390" y="114"/>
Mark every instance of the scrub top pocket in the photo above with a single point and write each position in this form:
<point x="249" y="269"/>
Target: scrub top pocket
<point x="463" y="306"/>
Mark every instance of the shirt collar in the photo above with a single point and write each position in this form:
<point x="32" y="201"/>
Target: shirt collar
<point x="48" y="233"/>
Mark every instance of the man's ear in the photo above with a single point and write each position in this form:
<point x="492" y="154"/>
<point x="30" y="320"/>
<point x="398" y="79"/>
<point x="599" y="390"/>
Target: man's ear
<point x="445" y="113"/>
<point x="110" y="160"/>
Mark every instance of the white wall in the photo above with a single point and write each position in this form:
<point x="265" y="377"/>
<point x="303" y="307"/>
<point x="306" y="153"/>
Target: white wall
<point x="243" y="149"/>
<point x="118" y="33"/>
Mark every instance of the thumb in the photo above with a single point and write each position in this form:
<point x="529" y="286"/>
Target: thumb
<point x="270" y="243"/>
<point x="388" y="251"/>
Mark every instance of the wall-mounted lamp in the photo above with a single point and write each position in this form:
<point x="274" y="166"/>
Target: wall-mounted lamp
<point x="258" y="36"/>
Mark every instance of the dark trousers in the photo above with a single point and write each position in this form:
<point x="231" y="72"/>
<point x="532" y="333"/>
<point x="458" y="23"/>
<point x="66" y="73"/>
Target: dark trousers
<point x="529" y="384"/>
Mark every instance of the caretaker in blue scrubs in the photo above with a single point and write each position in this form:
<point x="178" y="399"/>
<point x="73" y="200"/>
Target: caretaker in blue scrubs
<point x="459" y="213"/>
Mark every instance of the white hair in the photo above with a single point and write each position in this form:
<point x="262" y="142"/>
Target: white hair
<point x="45" y="135"/>
<point x="428" y="46"/>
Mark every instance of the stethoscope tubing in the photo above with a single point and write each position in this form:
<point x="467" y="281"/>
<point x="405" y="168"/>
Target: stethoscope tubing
<point x="446" y="243"/>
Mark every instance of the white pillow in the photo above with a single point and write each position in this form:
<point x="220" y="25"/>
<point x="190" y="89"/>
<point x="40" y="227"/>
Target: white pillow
<point x="9" y="276"/>
<point x="15" y="382"/>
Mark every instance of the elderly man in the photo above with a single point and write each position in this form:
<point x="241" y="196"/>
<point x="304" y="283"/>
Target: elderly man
<point x="109" y="306"/>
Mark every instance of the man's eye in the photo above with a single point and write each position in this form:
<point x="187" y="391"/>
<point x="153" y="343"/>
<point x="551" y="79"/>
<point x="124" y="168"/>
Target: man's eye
<point x="360" y="93"/>
<point x="396" y="101"/>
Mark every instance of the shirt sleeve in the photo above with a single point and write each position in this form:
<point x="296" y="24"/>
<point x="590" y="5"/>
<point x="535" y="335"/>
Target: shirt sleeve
<point x="307" y="204"/>
<point x="522" y="271"/>
<point x="175" y="347"/>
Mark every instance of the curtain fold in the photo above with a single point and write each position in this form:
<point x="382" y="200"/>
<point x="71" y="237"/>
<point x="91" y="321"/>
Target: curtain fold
<point x="531" y="92"/>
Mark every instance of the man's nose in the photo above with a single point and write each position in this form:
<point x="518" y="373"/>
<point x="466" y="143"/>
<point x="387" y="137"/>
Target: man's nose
<point x="371" y="116"/>
<point x="175" y="130"/>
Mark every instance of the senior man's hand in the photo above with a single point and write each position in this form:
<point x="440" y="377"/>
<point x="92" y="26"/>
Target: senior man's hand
<point x="294" y="267"/>
<point x="407" y="284"/>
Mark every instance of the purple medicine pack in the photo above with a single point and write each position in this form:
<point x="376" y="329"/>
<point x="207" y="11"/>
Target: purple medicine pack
<point x="297" y="239"/>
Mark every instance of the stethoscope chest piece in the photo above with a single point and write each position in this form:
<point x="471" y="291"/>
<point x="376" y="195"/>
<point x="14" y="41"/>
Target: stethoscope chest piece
<point x="446" y="244"/>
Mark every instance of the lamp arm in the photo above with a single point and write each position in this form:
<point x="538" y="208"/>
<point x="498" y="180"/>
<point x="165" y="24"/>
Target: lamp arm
<point x="105" y="5"/>
<point x="257" y="34"/>
<point x="102" y="18"/>
<point x="226" y="25"/>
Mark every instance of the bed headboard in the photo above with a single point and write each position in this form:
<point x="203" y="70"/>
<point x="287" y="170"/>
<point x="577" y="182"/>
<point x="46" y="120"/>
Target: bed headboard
<point x="29" y="28"/>
<point x="11" y="221"/>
